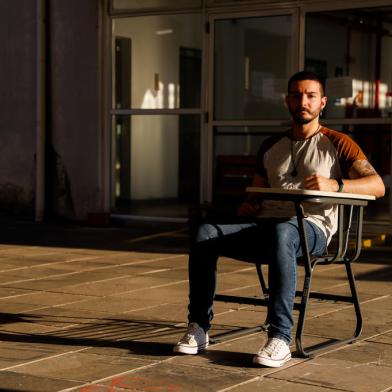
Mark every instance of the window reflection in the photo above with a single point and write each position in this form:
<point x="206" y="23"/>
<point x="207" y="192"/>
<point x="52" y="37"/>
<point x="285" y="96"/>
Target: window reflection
<point x="158" y="61"/>
<point x="252" y="62"/>
<point x="156" y="158"/>
<point x="352" y="51"/>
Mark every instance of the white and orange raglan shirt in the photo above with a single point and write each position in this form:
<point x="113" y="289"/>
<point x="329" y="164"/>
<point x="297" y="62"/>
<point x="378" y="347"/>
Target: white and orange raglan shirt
<point x="327" y="153"/>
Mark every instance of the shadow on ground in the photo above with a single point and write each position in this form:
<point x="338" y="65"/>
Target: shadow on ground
<point x="151" y="237"/>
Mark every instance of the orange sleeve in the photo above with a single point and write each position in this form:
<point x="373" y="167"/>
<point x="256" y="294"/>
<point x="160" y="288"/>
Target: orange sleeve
<point x="348" y="151"/>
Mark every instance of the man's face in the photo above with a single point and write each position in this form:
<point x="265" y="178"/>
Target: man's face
<point x="305" y="101"/>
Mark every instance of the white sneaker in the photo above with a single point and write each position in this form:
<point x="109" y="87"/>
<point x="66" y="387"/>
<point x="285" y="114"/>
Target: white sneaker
<point x="275" y="353"/>
<point x="194" y="340"/>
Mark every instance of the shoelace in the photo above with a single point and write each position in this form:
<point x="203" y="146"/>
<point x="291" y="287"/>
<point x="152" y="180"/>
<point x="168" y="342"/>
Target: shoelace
<point x="273" y="346"/>
<point x="190" y="334"/>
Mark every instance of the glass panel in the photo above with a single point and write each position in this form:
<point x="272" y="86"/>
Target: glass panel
<point x="156" y="160"/>
<point x="252" y="62"/>
<point x="352" y="50"/>
<point x="137" y="4"/>
<point x="158" y="62"/>
<point x="242" y="140"/>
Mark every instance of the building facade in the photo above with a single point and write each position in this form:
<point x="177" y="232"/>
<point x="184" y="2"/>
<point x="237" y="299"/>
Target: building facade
<point x="145" y="108"/>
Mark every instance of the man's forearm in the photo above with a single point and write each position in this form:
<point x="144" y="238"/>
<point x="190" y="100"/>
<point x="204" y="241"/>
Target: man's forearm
<point x="369" y="185"/>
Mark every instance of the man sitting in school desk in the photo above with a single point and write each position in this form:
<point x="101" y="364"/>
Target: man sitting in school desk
<point x="307" y="156"/>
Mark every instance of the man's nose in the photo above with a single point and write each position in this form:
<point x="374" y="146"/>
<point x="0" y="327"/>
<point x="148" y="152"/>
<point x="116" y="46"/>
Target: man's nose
<point x="304" y="100"/>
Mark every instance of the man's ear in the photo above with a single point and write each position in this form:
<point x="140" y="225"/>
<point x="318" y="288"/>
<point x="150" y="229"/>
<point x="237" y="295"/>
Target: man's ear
<point x="323" y="102"/>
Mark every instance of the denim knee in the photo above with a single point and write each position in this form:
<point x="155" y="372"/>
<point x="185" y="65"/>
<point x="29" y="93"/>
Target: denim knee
<point x="208" y="231"/>
<point x="287" y="233"/>
<point x="205" y="232"/>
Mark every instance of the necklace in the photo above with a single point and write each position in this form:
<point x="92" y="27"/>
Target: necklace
<point x="294" y="172"/>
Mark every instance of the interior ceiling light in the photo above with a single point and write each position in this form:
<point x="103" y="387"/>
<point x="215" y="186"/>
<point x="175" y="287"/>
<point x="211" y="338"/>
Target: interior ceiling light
<point x="164" y="32"/>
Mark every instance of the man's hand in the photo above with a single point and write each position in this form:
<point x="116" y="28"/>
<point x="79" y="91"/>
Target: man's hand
<point x="319" y="183"/>
<point x="248" y="209"/>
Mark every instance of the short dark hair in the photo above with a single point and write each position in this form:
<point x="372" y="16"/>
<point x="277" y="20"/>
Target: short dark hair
<point x="306" y="75"/>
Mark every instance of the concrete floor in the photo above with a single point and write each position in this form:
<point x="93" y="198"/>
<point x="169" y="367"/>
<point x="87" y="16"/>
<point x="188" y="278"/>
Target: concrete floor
<point x="98" y="309"/>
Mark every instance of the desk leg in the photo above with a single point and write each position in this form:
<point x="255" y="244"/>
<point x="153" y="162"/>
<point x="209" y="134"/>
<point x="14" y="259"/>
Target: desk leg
<point x="307" y="280"/>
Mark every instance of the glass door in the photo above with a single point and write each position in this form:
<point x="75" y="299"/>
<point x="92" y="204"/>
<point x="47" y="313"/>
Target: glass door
<point x="352" y="50"/>
<point x="251" y="58"/>
<point x="156" y="113"/>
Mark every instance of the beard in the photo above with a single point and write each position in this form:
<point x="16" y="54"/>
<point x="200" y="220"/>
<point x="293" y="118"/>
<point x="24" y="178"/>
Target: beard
<point x="303" y="118"/>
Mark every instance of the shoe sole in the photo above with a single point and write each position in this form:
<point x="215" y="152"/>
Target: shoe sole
<point x="189" y="350"/>
<point x="270" y="362"/>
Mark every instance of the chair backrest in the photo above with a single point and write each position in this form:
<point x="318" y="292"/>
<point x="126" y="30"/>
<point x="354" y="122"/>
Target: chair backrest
<point x="347" y="241"/>
<point x="232" y="175"/>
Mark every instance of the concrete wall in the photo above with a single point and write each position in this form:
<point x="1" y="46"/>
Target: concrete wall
<point x="74" y="103"/>
<point x="73" y="135"/>
<point x="17" y="106"/>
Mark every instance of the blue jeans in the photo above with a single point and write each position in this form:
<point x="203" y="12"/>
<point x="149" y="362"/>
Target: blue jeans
<point x="272" y="242"/>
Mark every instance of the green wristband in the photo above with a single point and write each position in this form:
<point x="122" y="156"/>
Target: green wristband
<point x="340" y="183"/>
